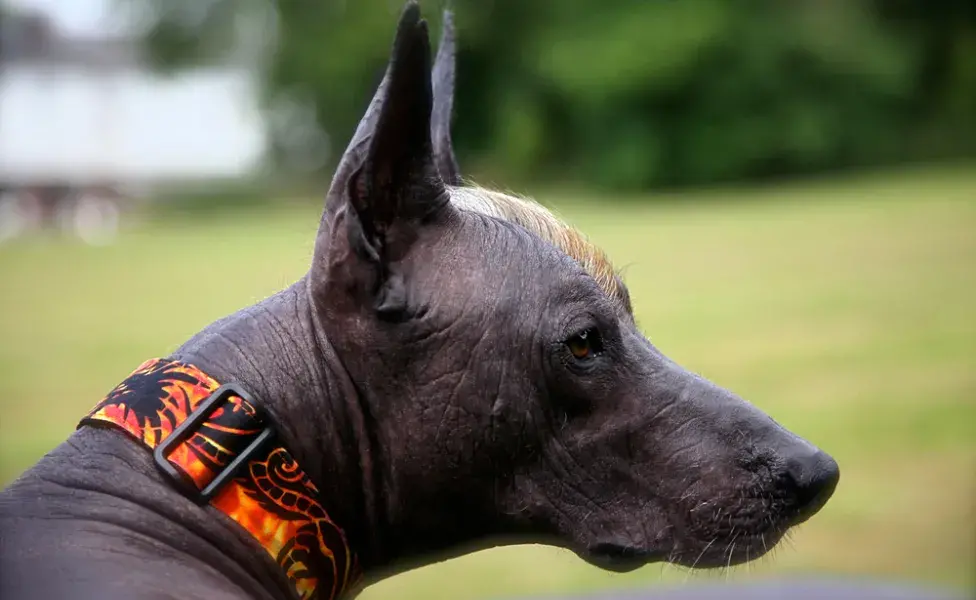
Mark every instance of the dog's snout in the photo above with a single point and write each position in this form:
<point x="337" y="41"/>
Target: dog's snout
<point x="814" y="476"/>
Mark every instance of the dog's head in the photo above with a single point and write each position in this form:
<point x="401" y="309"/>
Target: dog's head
<point x="505" y="383"/>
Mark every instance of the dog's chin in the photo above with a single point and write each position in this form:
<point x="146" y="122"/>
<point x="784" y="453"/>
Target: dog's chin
<point x="727" y="551"/>
<point x="618" y="558"/>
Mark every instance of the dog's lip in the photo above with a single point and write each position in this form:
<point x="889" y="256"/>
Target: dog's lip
<point x="620" y="558"/>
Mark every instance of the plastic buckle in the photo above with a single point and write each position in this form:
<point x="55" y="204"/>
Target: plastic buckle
<point x="189" y="427"/>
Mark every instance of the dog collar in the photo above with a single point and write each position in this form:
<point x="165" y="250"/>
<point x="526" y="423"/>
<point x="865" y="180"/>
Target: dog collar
<point x="217" y="445"/>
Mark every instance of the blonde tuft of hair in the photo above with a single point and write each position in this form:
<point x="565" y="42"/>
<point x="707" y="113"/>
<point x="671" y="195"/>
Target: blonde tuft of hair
<point x="542" y="222"/>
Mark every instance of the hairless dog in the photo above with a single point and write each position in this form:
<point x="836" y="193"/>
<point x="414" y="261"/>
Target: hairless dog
<point x="458" y="369"/>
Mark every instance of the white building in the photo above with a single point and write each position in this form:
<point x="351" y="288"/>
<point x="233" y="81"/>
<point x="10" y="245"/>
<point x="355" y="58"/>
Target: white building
<point x="85" y="120"/>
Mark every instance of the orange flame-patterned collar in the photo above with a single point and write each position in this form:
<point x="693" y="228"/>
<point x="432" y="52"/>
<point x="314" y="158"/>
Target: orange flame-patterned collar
<point x="218" y="446"/>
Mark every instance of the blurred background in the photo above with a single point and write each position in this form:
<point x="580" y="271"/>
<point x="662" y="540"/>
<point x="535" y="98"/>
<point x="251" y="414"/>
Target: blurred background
<point x="790" y="187"/>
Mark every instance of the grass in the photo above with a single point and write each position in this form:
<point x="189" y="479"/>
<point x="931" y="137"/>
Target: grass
<point x="845" y="308"/>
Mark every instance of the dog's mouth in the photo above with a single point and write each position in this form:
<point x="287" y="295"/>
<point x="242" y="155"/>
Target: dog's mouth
<point x="740" y="531"/>
<point x="717" y="552"/>
<point x="727" y="548"/>
<point x="723" y="530"/>
<point x="723" y="551"/>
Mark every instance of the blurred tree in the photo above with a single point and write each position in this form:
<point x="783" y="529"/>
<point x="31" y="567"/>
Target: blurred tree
<point x="944" y="36"/>
<point x="626" y="93"/>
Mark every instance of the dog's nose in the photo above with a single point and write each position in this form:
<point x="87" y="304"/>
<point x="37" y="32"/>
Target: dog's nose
<point x="815" y="477"/>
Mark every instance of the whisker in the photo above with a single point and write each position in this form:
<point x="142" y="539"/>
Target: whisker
<point x="728" y="565"/>
<point x="700" y="555"/>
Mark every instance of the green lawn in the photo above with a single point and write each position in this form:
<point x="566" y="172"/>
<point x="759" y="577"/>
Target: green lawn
<point x="845" y="308"/>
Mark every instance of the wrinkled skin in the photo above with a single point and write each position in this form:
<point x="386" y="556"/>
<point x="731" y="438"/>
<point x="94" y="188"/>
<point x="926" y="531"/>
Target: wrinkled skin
<point x="452" y="382"/>
<point x="624" y="456"/>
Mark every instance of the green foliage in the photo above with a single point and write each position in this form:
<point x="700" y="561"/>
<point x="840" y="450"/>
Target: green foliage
<point x="629" y="94"/>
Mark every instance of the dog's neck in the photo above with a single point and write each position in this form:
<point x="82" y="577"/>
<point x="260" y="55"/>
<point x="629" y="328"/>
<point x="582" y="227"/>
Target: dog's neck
<point x="275" y="350"/>
<point x="278" y="353"/>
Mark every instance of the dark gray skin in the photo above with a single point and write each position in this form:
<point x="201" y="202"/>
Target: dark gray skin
<point x="420" y="373"/>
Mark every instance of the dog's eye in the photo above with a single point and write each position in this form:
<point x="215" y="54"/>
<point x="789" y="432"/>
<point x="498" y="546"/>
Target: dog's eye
<point x="585" y="344"/>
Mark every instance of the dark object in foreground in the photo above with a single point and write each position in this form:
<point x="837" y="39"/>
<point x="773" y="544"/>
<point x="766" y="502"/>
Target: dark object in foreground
<point x="778" y="589"/>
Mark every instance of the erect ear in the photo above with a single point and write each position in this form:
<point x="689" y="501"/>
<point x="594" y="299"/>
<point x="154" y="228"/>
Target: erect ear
<point x="387" y="184"/>
<point x="443" y="76"/>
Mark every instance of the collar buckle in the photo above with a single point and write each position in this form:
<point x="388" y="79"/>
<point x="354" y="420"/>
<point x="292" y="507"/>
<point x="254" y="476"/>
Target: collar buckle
<point x="190" y="426"/>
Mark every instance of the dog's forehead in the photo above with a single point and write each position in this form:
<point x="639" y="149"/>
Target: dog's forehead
<point x="541" y="222"/>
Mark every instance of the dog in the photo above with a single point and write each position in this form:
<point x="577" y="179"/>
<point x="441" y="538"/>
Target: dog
<point x="458" y="369"/>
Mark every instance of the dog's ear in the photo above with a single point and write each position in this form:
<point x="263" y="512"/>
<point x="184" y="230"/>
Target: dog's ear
<point x="387" y="184"/>
<point x="444" y="72"/>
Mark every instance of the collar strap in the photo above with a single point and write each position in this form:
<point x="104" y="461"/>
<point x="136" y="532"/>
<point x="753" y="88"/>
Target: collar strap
<point x="217" y="446"/>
